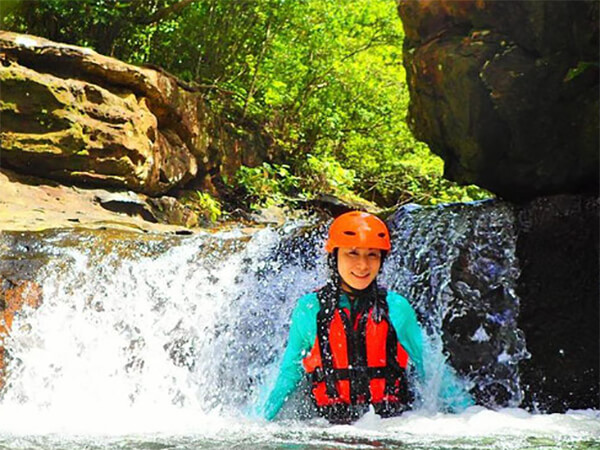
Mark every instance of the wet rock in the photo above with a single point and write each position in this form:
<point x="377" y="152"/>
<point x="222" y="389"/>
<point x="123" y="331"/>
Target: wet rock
<point x="31" y="203"/>
<point x="272" y="215"/>
<point x="14" y="295"/>
<point x="557" y="249"/>
<point x="128" y="203"/>
<point x="335" y="206"/>
<point x="515" y="291"/>
<point x="507" y="92"/>
<point x="169" y="210"/>
<point x="456" y="263"/>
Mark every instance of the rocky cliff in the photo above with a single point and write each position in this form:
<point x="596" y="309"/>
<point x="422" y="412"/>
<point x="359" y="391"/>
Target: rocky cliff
<point x="73" y="115"/>
<point x="507" y="92"/>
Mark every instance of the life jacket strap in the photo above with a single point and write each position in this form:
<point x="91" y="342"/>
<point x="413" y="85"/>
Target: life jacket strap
<point x="370" y="373"/>
<point x="357" y="356"/>
<point x="328" y="302"/>
<point x="326" y="354"/>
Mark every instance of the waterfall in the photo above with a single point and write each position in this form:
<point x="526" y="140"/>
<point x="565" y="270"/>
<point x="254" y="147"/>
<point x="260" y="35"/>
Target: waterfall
<point x="457" y="263"/>
<point x="151" y="325"/>
<point x="174" y="328"/>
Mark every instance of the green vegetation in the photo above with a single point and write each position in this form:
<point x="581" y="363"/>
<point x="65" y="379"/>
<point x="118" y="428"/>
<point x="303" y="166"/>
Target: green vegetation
<point x="267" y="185"/>
<point x="203" y="205"/>
<point x="209" y="205"/>
<point x="323" y="79"/>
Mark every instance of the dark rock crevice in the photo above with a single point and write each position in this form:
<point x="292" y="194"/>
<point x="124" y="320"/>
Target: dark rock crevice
<point x="558" y="252"/>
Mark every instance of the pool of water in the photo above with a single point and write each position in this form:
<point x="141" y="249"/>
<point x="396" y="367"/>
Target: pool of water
<point x="476" y="428"/>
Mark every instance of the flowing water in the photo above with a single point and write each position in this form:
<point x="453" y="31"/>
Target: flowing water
<point x="165" y="342"/>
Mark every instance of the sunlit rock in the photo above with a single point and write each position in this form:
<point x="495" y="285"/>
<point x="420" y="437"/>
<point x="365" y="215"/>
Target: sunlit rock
<point x="73" y="115"/>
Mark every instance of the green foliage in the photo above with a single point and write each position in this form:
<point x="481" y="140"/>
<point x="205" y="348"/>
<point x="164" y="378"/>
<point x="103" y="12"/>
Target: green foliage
<point x="580" y="68"/>
<point x="267" y="185"/>
<point x="324" y="79"/>
<point x="119" y="28"/>
<point x="326" y="174"/>
<point x="210" y="207"/>
<point x="203" y="204"/>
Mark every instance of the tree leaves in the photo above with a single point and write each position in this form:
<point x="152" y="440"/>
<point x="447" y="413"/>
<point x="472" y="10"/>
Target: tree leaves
<point x="324" y="78"/>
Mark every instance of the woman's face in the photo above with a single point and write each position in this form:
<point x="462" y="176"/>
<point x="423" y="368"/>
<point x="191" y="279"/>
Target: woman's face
<point x="358" y="267"/>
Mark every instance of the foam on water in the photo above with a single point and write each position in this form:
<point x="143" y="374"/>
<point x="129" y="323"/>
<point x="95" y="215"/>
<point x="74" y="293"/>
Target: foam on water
<point x="134" y="428"/>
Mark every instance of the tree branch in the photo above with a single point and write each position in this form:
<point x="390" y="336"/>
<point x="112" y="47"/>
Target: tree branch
<point x="252" y="88"/>
<point x="312" y="83"/>
<point x="162" y="13"/>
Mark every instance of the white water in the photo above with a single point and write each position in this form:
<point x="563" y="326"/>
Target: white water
<point x="475" y="428"/>
<point x="164" y="344"/>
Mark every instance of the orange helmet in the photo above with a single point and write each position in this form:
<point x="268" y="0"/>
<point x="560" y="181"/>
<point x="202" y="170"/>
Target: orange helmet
<point x="358" y="229"/>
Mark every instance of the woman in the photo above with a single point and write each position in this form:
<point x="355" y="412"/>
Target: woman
<point x="354" y="339"/>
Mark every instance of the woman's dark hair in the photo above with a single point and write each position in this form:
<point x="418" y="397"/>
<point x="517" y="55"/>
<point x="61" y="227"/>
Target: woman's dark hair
<point x="335" y="278"/>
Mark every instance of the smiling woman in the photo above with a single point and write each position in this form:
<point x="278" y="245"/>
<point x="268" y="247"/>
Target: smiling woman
<point x="358" y="267"/>
<point x="357" y="242"/>
<point x="356" y="341"/>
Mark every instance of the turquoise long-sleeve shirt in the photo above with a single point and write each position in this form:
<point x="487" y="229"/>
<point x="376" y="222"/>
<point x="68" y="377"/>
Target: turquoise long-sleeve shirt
<point x="303" y="332"/>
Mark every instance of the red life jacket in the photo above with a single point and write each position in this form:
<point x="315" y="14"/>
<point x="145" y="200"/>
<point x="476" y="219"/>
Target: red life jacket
<point x="356" y="360"/>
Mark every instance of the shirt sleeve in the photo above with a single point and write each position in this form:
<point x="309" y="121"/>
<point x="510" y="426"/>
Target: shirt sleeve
<point x="452" y="393"/>
<point x="408" y="330"/>
<point x="303" y="330"/>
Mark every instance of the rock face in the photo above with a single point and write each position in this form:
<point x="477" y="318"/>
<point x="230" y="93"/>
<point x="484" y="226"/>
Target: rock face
<point x="557" y="248"/>
<point x="32" y="203"/>
<point x="507" y="92"/>
<point x="73" y="115"/>
<point x="515" y="290"/>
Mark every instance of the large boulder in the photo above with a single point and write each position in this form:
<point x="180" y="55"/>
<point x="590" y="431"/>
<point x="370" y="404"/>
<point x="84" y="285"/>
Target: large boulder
<point x="507" y="92"/>
<point x="71" y="114"/>
<point x="514" y="288"/>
